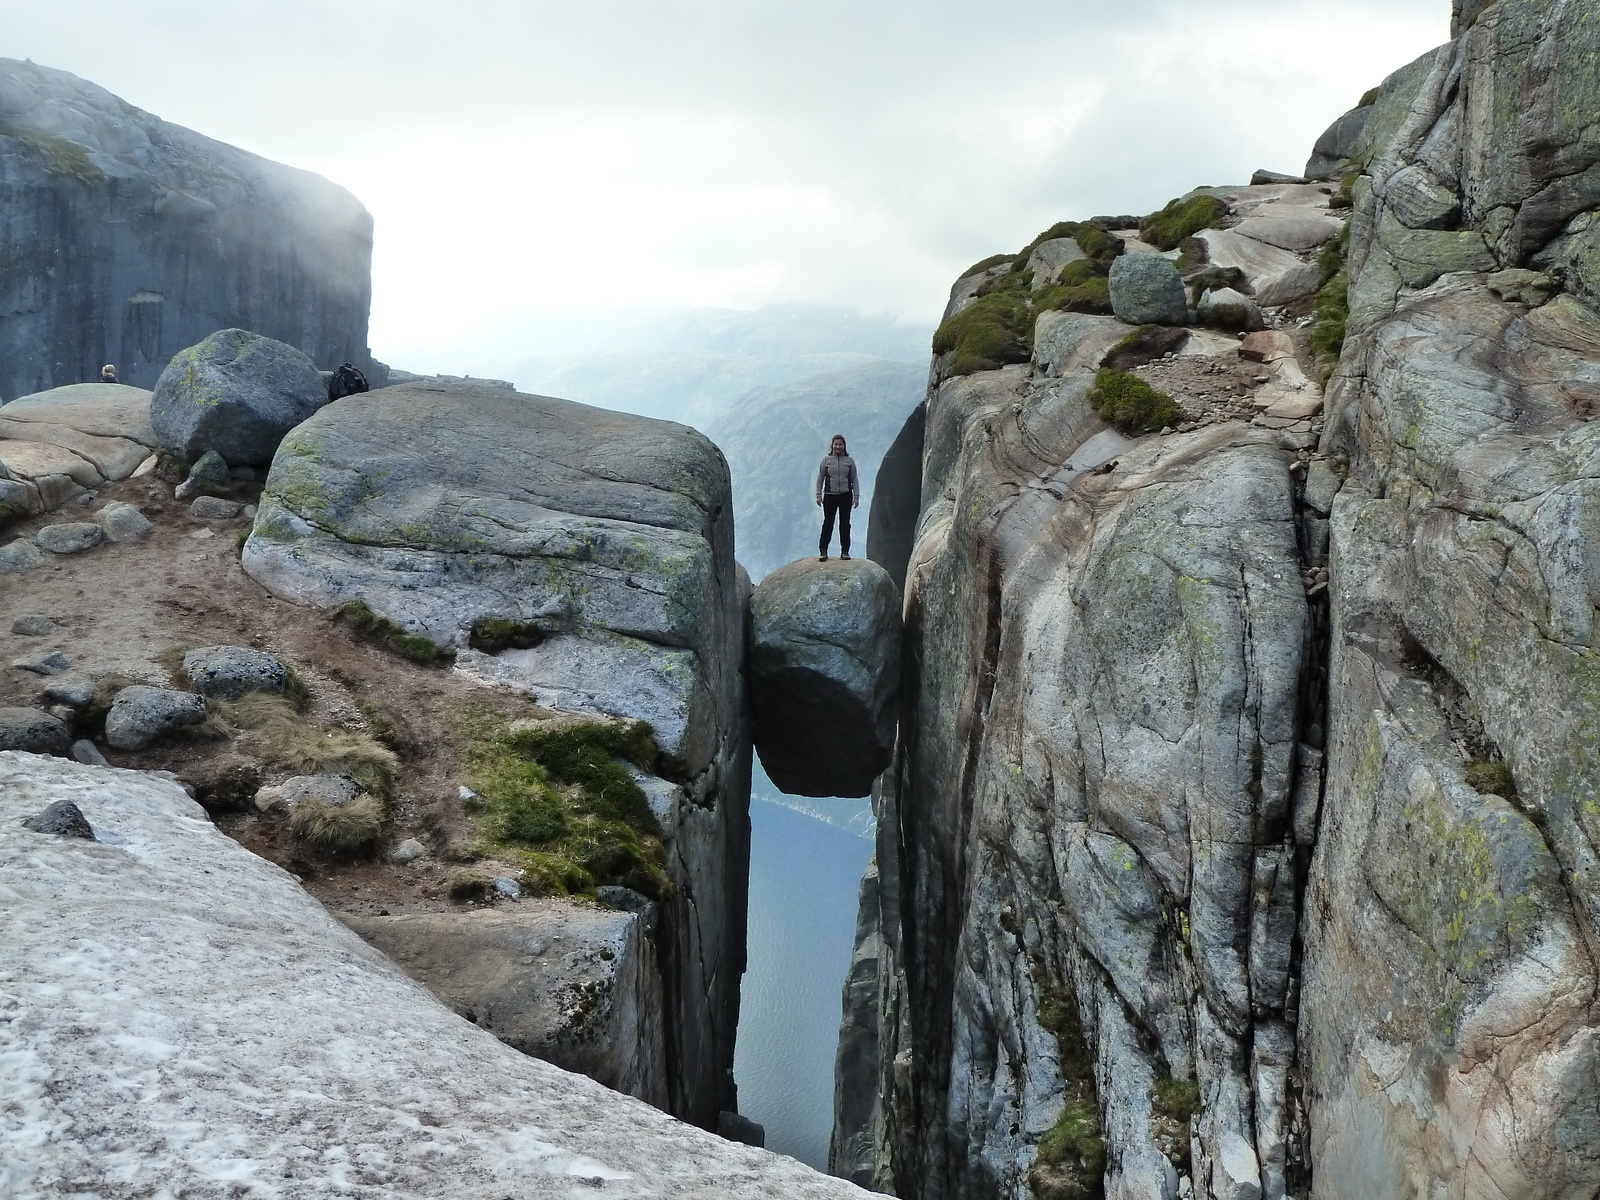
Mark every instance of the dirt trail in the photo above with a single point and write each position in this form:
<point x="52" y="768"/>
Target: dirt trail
<point x="124" y="608"/>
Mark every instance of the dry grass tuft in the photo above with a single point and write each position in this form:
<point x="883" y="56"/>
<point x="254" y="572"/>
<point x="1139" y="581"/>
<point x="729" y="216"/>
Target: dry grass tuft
<point x="269" y="728"/>
<point x="338" y="827"/>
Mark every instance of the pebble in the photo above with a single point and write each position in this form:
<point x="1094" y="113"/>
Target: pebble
<point x="201" y="535"/>
<point x="62" y="819"/>
<point x="34" y="626"/>
<point x="407" y="851"/>
<point x="88" y="753"/>
<point x="51" y="662"/>
<point x="505" y="886"/>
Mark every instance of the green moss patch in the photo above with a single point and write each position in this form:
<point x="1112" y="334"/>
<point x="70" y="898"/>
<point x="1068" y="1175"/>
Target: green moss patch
<point x="494" y="634"/>
<point x="978" y="268"/>
<point x="1131" y="404"/>
<point x="1492" y="776"/>
<point x="381" y="631"/>
<point x="556" y="796"/>
<point x="1070" y="1163"/>
<point x="1181" y="219"/>
<point x="992" y="331"/>
<point x="60" y="157"/>
<point x="1145" y="345"/>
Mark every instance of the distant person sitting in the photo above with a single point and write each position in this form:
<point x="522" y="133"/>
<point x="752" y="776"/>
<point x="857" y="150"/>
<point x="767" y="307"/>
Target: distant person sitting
<point x="108" y="373"/>
<point x="838" y="491"/>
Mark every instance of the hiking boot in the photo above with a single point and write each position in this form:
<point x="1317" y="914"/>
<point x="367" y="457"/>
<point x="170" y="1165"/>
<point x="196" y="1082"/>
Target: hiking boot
<point x="844" y="556"/>
<point x="822" y="558"/>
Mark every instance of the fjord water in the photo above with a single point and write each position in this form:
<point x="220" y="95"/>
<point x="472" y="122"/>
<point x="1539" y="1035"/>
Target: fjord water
<point x="806" y="860"/>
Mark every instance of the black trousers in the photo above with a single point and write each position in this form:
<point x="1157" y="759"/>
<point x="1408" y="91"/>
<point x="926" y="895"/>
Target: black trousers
<point x="835" y="502"/>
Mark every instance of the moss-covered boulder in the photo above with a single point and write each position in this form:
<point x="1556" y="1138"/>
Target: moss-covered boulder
<point x="236" y="393"/>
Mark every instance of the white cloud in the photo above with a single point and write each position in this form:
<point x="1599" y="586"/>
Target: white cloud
<point x="523" y="159"/>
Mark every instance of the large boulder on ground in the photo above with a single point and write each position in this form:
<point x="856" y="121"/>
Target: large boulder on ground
<point x="236" y="393"/>
<point x="573" y="984"/>
<point x="274" y="1049"/>
<point x="580" y="556"/>
<point x="1146" y="289"/>
<point x="1333" y="155"/>
<point x="32" y="730"/>
<point x="140" y="715"/>
<point x="104" y="425"/>
<point x="229" y="672"/>
<point x="1224" y="308"/>
<point x="824" y="673"/>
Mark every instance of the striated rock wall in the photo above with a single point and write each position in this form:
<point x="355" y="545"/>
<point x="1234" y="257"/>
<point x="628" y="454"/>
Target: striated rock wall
<point x="1240" y="838"/>
<point x="1449" y="1026"/>
<point x="126" y="239"/>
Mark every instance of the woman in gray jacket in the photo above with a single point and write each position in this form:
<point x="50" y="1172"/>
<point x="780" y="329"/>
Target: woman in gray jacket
<point x="838" y="491"/>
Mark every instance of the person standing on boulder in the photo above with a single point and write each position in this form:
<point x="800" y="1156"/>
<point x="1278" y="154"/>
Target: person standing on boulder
<point x="838" y="491"/>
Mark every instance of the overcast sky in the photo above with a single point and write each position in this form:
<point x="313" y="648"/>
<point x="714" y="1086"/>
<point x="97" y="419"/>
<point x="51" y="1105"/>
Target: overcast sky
<point x="531" y="160"/>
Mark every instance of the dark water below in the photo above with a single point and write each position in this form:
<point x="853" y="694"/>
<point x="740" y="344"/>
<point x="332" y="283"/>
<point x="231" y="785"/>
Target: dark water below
<point x="804" y="874"/>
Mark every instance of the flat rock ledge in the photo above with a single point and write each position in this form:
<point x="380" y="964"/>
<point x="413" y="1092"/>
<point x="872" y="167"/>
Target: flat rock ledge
<point x="273" y="1048"/>
<point x="824" y="674"/>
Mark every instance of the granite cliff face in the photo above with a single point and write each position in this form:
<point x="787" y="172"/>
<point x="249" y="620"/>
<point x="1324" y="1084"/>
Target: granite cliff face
<point x="127" y="238"/>
<point x="1240" y="838"/>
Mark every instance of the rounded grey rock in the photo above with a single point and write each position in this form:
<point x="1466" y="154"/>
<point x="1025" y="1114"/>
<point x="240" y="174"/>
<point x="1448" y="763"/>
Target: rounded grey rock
<point x="236" y="393"/>
<point x="74" y="693"/>
<point x="34" y="626"/>
<point x="406" y="852"/>
<point x="208" y="475"/>
<point x="124" y="522"/>
<point x="61" y="819"/>
<point x="140" y="715"/>
<point x="333" y="790"/>
<point x="229" y="672"/>
<point x="1225" y="308"/>
<point x="69" y="537"/>
<point x="213" y="508"/>
<point x="86" y="752"/>
<point x="824" y="674"/>
<point x="20" y="555"/>
<point x="33" y="731"/>
<point x="1146" y="289"/>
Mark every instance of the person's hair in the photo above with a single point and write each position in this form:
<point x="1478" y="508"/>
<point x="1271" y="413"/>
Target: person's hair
<point x="838" y="437"/>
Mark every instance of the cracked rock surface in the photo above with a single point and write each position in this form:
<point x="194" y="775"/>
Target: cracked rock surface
<point x="597" y="547"/>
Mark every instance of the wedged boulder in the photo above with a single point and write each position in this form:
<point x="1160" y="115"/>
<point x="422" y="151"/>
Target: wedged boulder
<point x="583" y="557"/>
<point x="1146" y="289"/>
<point x="824" y="673"/>
<point x="236" y="393"/>
<point x="304" y="1048"/>
<point x="573" y="984"/>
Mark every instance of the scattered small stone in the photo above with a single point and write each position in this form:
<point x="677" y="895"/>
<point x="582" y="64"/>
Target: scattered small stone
<point x="139" y="715"/>
<point x="467" y="793"/>
<point x="201" y="535"/>
<point x="33" y="731"/>
<point x="333" y="790"/>
<point x="61" y="819"/>
<point x="124" y="522"/>
<point x="63" y="713"/>
<point x="51" y="662"/>
<point x="69" y="537"/>
<point x="229" y="672"/>
<point x="248" y="512"/>
<point x="208" y="476"/>
<point x="146" y="467"/>
<point x="86" y="752"/>
<point x="74" y="693"/>
<point x="211" y="508"/>
<point x="507" y="887"/>
<point x="407" y="852"/>
<point x="34" y="626"/>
